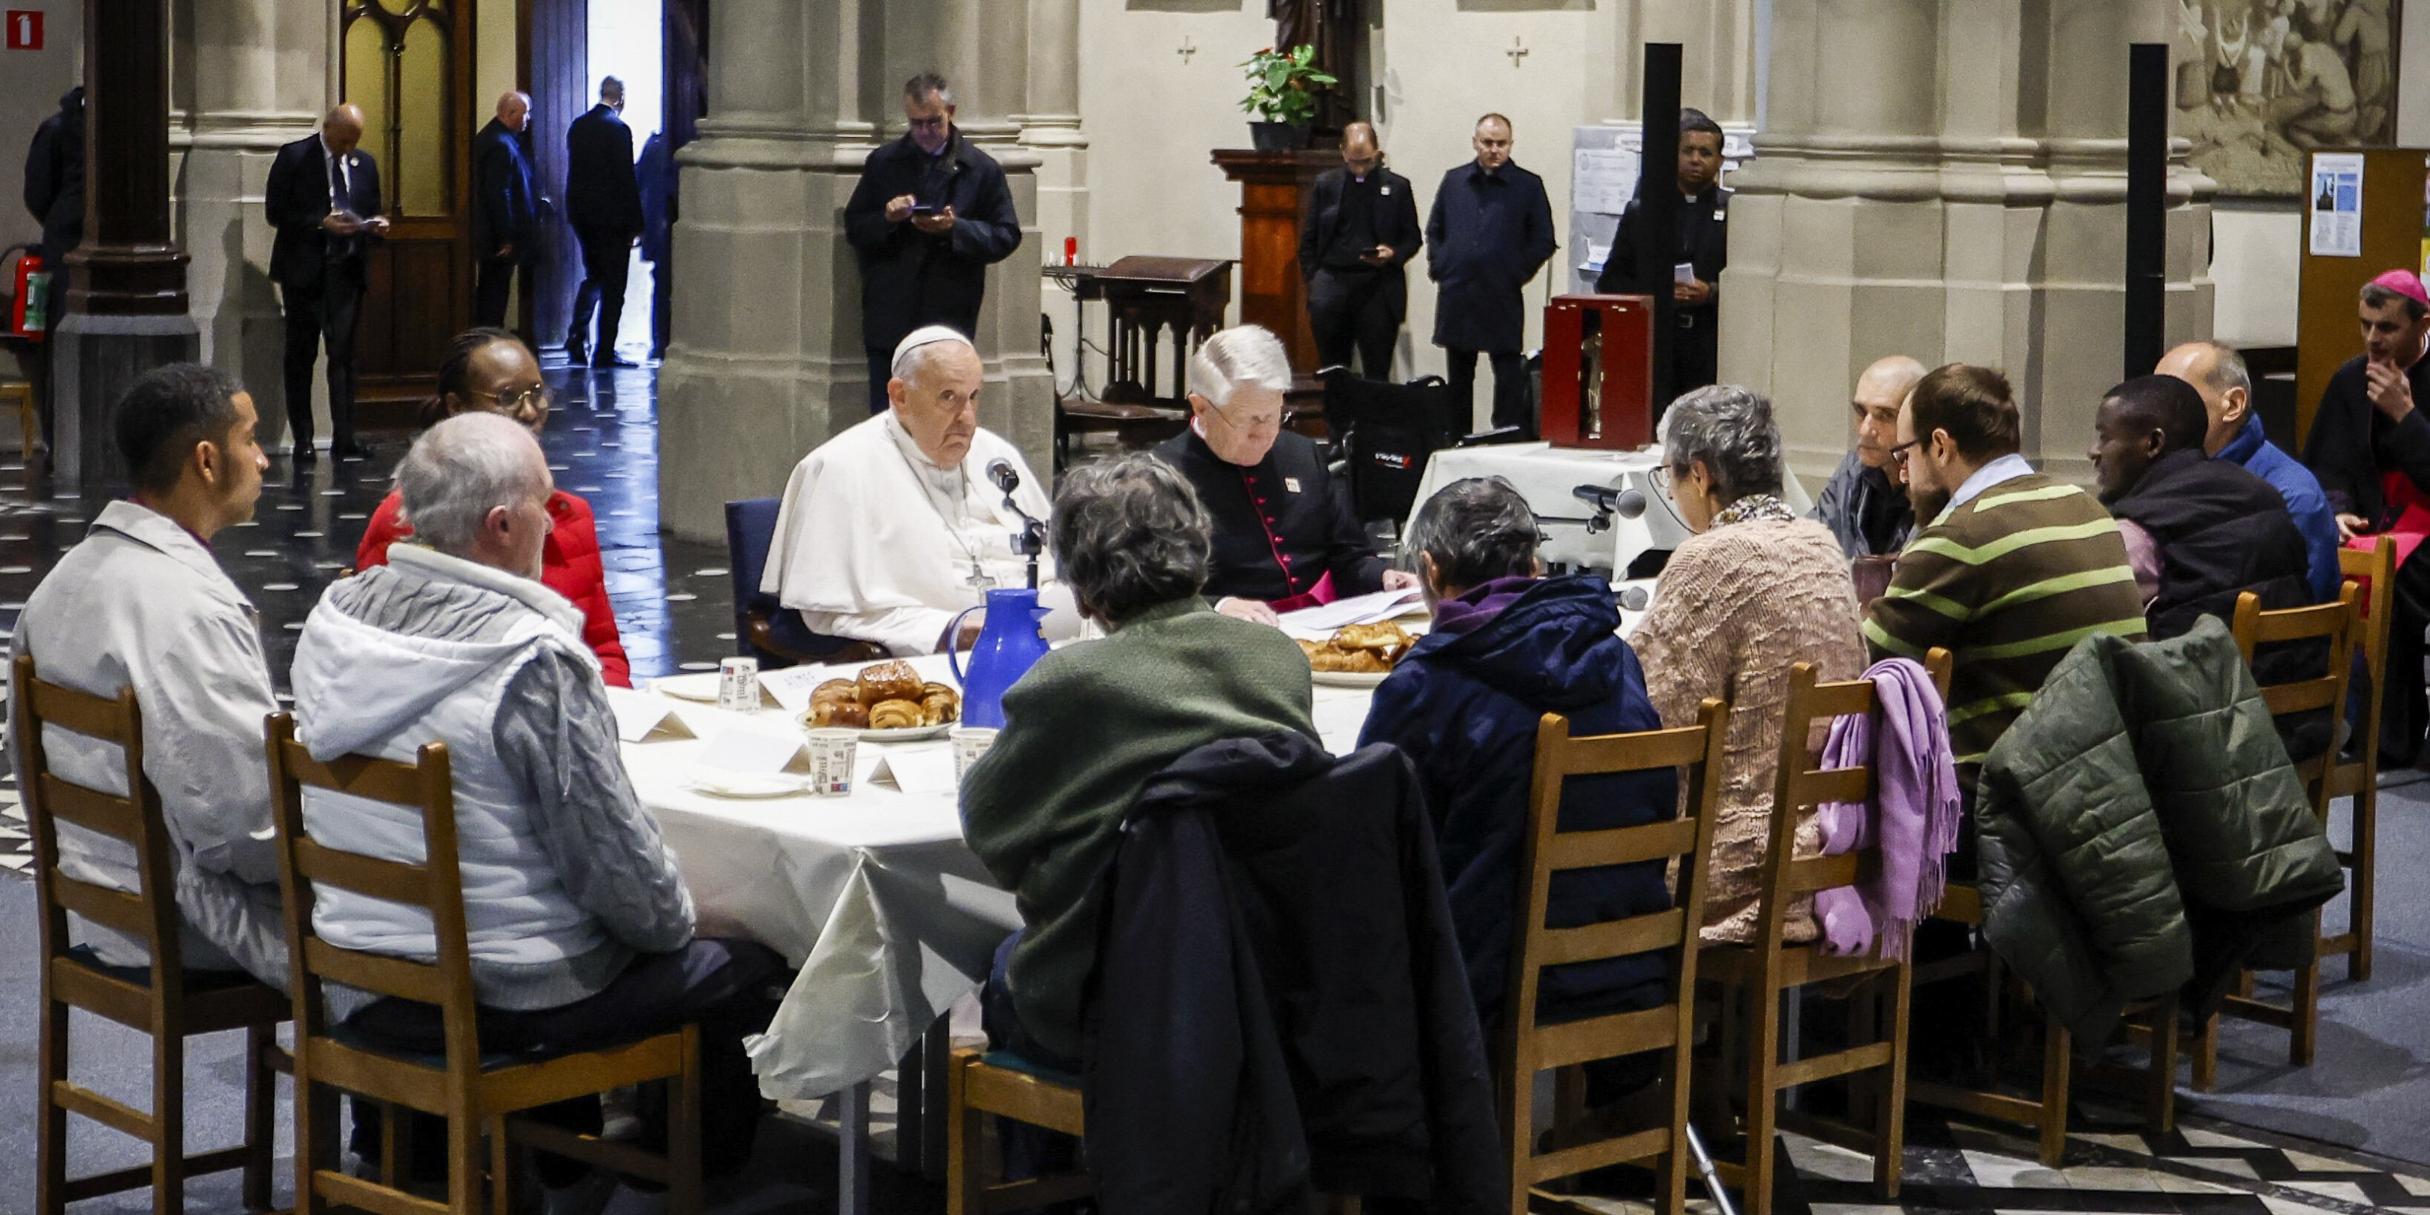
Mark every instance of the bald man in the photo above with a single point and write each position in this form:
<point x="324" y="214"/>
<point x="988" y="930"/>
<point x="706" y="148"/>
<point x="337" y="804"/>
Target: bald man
<point x="1354" y="246"/>
<point x="506" y="207"/>
<point x="2219" y="376"/>
<point x="1866" y="504"/>
<point x="324" y="201"/>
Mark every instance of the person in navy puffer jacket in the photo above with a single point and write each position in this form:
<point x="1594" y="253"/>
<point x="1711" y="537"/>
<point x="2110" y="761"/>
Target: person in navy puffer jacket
<point x="1508" y="646"/>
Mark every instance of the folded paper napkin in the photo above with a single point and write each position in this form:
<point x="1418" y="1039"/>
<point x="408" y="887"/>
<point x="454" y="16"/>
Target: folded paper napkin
<point x="1913" y="813"/>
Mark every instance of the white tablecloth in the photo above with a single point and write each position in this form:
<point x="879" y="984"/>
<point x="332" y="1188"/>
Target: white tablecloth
<point x="888" y="915"/>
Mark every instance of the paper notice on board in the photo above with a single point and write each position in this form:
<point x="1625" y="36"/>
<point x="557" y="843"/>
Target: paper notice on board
<point x="1602" y="180"/>
<point x="2336" y="204"/>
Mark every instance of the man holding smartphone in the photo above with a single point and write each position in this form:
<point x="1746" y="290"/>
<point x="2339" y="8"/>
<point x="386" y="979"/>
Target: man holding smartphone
<point x="930" y="214"/>
<point x="1360" y="231"/>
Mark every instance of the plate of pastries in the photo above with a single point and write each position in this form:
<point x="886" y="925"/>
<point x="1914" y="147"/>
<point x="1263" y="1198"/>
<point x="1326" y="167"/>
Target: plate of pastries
<point x="886" y="702"/>
<point x="1357" y="655"/>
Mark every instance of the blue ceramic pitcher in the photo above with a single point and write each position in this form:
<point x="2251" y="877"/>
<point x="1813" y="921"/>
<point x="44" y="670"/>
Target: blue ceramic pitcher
<point x="1009" y="644"/>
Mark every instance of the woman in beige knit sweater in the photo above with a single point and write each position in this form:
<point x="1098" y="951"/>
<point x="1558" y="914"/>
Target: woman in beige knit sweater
<point x="1755" y="591"/>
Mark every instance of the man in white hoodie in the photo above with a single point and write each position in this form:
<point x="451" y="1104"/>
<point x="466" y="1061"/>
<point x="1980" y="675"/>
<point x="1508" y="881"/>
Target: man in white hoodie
<point x="582" y="931"/>
<point x="140" y="603"/>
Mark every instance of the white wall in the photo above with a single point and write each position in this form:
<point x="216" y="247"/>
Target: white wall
<point x="30" y="85"/>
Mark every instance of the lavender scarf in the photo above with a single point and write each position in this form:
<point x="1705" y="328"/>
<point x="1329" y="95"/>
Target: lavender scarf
<point x="1913" y="814"/>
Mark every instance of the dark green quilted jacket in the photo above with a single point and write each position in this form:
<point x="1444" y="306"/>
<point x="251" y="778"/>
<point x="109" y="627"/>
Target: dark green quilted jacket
<point x="2141" y="830"/>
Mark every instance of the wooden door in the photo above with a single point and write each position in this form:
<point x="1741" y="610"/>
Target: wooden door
<point x="409" y="65"/>
<point x="554" y="40"/>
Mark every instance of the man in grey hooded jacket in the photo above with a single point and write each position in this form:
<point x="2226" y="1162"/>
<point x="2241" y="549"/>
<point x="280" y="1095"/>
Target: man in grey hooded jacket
<point x="581" y="928"/>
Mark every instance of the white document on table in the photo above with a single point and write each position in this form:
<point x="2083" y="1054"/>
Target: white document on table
<point x="757" y="751"/>
<point x="1357" y="609"/>
<point x="641" y="717"/>
<point x="916" y="770"/>
<point x="791" y="687"/>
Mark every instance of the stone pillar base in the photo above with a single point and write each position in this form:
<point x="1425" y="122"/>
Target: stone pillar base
<point x="94" y="358"/>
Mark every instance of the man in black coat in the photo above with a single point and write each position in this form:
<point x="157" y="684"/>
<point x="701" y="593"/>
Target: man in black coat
<point x="1490" y="231"/>
<point x="506" y="207"/>
<point x="1704" y="245"/>
<point x="603" y="202"/>
<point x="930" y="214"/>
<point x="323" y="200"/>
<point x="1360" y="231"/>
<point x="54" y="193"/>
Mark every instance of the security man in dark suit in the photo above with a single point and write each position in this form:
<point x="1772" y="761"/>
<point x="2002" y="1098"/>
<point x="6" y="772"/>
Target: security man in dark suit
<point x="506" y="207"/>
<point x="930" y="214"/>
<point x="1704" y="244"/>
<point x="1490" y="232"/>
<point x="1361" y="229"/>
<point x="324" y="201"/>
<point x="603" y="202"/>
<point x="54" y="194"/>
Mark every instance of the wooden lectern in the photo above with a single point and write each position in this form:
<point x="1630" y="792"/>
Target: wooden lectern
<point x="2394" y="235"/>
<point x="1273" y="195"/>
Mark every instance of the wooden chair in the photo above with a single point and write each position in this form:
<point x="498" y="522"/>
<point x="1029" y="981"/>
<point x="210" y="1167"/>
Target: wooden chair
<point x="1766" y="970"/>
<point x="168" y="1004"/>
<point x="2358" y="778"/>
<point x="1528" y="1047"/>
<point x="476" y="1095"/>
<point x="2339" y="625"/>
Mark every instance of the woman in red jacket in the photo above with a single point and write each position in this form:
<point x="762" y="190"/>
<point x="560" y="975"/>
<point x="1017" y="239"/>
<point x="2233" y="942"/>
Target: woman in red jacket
<point x="492" y="369"/>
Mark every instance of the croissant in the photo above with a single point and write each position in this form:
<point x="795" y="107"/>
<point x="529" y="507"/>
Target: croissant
<point x="894" y="715"/>
<point x="939" y="704"/>
<point x="836" y="689"/>
<point x="893" y="680"/>
<point x="835" y="712"/>
<point x="1385" y="636"/>
<point x="1354" y="661"/>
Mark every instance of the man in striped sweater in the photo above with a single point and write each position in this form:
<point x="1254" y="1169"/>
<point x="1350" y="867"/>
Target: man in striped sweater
<point x="2013" y="569"/>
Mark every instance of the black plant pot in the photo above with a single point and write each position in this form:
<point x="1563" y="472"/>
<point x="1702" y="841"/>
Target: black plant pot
<point x="1278" y="136"/>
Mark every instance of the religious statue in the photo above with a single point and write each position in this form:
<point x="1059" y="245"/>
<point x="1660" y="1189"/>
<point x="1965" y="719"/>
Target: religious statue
<point x="1329" y="26"/>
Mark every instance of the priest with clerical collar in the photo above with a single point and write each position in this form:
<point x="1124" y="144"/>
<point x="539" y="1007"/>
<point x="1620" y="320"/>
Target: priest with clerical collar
<point x="1284" y="535"/>
<point x="890" y="528"/>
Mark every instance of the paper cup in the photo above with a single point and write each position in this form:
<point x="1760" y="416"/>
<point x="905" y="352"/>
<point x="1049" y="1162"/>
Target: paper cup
<point x="831" y="754"/>
<point x="969" y="743"/>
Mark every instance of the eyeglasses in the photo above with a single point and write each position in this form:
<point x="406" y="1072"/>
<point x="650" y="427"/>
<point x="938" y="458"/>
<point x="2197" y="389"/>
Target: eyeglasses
<point x="1662" y="479"/>
<point x="1899" y="453"/>
<point x="529" y="406"/>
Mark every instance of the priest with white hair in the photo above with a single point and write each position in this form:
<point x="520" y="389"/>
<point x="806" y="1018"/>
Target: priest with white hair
<point x="892" y="527"/>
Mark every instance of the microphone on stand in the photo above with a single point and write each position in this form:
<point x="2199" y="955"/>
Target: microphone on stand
<point x="1000" y="473"/>
<point x="1030" y="541"/>
<point x="1608" y="501"/>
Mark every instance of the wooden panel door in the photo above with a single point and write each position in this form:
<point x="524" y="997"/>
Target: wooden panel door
<point x="555" y="42"/>
<point x="409" y="65"/>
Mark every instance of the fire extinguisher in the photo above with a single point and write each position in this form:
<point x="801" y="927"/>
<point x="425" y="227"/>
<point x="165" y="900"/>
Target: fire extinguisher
<point x="29" y="317"/>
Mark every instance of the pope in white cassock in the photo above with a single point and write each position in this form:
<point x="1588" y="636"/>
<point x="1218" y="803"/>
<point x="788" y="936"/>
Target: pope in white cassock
<point x="890" y="528"/>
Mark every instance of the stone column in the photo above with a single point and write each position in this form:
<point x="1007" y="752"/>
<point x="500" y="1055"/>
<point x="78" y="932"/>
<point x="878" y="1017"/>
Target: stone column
<point x="1050" y="130"/>
<point x="766" y="360"/>
<point x="247" y="78"/>
<point x="127" y="301"/>
<point x="1966" y="203"/>
<point x="1717" y="48"/>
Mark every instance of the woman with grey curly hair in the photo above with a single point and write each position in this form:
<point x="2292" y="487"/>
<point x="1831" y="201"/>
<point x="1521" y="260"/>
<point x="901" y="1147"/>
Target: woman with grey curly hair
<point x="1087" y="726"/>
<point x="1754" y="592"/>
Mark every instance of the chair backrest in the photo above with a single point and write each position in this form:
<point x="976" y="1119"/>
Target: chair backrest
<point x="2376" y="570"/>
<point x="149" y="914"/>
<point x="2337" y="625"/>
<point x="1799" y="785"/>
<point x="763" y="629"/>
<point x="434" y="887"/>
<point x="1560" y="756"/>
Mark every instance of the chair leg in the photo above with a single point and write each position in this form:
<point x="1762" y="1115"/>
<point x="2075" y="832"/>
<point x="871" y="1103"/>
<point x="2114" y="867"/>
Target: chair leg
<point x="261" y="1105"/>
<point x="1671" y="1176"/>
<point x="1890" y="1111"/>
<point x="463" y="1163"/>
<point x="2304" y="1034"/>
<point x="168" y="1122"/>
<point x="2162" y="1113"/>
<point x="2366" y="878"/>
<point x="316" y="1136"/>
<point x="684" y="1108"/>
<point x="501" y="1170"/>
<point x="396" y="1144"/>
<point x="2206" y="1056"/>
<point x="965" y="1184"/>
<point x="1763" y="1097"/>
<point x="50" y="1138"/>
<point x="2057" y="1052"/>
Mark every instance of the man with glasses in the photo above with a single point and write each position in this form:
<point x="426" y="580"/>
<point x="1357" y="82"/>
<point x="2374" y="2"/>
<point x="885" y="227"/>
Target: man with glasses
<point x="930" y="214"/>
<point x="1865" y="505"/>
<point x="1360" y="232"/>
<point x="1282" y="528"/>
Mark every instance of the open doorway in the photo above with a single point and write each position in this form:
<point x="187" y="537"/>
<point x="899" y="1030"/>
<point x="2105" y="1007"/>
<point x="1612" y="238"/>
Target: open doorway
<point x="625" y="42"/>
<point x="569" y="47"/>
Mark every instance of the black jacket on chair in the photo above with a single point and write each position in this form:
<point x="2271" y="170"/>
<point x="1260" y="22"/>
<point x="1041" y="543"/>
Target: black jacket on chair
<point x="297" y="200"/>
<point x="908" y="277"/>
<point x="1280" y="1002"/>
<point x="602" y="193"/>
<point x="505" y="205"/>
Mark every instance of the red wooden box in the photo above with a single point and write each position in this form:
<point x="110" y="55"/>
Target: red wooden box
<point x="1598" y="371"/>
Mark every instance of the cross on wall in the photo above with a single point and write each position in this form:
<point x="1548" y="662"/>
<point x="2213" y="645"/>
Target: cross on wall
<point x="1517" y="50"/>
<point x="1188" y="47"/>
